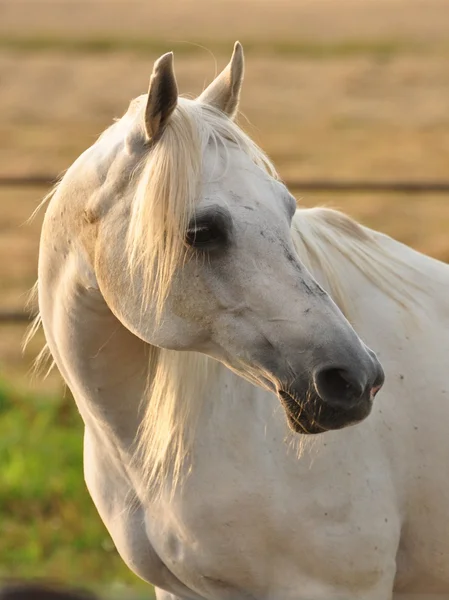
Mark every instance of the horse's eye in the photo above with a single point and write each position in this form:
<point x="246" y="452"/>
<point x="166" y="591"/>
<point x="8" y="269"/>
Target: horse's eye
<point x="205" y="236"/>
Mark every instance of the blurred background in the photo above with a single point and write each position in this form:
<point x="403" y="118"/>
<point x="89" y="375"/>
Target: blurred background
<point x="346" y="90"/>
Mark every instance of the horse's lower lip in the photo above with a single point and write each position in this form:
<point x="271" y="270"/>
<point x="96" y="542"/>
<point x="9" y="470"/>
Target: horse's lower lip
<point x="305" y="425"/>
<point x="298" y="418"/>
<point x="327" y="418"/>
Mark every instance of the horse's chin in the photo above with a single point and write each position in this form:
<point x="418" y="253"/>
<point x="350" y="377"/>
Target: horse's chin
<point x="302" y="419"/>
<point x="303" y="424"/>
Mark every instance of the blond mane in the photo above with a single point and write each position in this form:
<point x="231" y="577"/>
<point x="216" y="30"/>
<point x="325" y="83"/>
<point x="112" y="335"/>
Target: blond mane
<point x="322" y="236"/>
<point x="166" y="193"/>
<point x="168" y="189"/>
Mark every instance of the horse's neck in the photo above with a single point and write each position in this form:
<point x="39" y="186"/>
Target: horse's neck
<point x="107" y="371"/>
<point x="111" y="378"/>
<point x="367" y="273"/>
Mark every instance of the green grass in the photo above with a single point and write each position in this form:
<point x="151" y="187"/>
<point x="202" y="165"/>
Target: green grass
<point x="104" y="44"/>
<point x="49" y="526"/>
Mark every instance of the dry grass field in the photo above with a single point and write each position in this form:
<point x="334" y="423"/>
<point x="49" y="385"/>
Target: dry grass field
<point x="346" y="89"/>
<point x="334" y="88"/>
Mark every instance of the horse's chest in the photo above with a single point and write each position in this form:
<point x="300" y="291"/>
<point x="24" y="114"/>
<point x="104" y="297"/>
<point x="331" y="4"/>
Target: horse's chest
<point x="265" y="533"/>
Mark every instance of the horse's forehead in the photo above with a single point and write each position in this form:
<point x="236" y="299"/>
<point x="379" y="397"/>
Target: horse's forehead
<point x="246" y="187"/>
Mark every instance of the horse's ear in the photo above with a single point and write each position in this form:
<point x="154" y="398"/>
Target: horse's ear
<point x="162" y="96"/>
<point x="224" y="91"/>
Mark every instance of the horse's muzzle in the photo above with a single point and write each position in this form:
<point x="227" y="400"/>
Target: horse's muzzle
<point x="334" y="398"/>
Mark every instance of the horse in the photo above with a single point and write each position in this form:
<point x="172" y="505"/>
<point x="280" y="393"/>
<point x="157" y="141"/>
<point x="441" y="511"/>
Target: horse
<point x="263" y="388"/>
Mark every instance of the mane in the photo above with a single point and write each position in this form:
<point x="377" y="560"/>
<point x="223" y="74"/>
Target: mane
<point x="168" y="187"/>
<point x="322" y="235"/>
<point x="168" y="181"/>
<point x="44" y="360"/>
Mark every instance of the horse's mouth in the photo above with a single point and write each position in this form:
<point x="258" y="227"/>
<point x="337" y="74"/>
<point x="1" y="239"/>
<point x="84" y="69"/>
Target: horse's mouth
<point x="314" y="416"/>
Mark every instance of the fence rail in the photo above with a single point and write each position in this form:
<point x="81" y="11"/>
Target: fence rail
<point x="14" y="317"/>
<point x="309" y="185"/>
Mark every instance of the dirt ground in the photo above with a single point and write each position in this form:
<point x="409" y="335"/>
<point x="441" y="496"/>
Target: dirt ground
<point x="199" y="20"/>
<point x="354" y="113"/>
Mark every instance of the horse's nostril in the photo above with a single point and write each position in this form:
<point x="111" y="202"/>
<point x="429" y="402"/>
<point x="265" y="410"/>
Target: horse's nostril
<point x="336" y="386"/>
<point x="380" y="379"/>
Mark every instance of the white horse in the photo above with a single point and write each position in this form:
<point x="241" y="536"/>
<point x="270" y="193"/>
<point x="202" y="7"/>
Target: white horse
<point x="189" y="319"/>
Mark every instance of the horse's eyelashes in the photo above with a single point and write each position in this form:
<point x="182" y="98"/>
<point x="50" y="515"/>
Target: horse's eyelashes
<point x="209" y="230"/>
<point x="205" y="236"/>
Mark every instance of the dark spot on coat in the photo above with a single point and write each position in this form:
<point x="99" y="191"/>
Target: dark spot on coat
<point x="313" y="288"/>
<point x="290" y="256"/>
<point x="248" y="207"/>
<point x="90" y="216"/>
